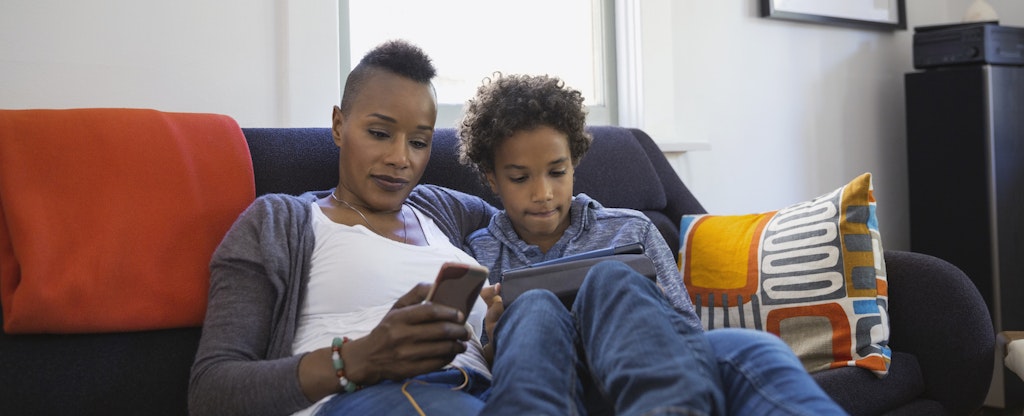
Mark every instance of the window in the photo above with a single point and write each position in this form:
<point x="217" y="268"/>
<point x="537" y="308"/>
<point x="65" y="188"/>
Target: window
<point x="469" y="40"/>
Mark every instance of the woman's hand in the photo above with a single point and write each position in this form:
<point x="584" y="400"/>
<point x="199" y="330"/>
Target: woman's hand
<point x="492" y="297"/>
<point x="413" y="338"/>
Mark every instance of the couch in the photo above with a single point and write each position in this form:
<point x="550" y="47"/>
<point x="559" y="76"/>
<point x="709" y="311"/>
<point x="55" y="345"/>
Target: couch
<point x="941" y="334"/>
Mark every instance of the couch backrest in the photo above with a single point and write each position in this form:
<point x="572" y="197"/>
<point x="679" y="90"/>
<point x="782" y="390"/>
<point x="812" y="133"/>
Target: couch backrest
<point x="624" y="168"/>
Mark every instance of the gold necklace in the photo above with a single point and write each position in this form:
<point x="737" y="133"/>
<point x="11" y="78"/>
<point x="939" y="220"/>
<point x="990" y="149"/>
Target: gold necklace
<point x="405" y="230"/>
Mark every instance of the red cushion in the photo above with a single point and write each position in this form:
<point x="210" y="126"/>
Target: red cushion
<point x="108" y="217"/>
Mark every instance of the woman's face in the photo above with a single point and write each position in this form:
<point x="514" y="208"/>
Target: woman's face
<point x="533" y="175"/>
<point x="384" y="141"/>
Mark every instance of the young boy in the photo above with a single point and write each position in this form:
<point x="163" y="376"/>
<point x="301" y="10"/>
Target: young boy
<point x="525" y="134"/>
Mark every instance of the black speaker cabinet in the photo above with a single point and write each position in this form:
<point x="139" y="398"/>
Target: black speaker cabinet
<point x="965" y="149"/>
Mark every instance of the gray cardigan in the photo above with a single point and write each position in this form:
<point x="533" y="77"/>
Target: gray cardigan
<point x="244" y="364"/>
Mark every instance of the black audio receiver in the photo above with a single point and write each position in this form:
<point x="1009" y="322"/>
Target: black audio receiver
<point x="968" y="43"/>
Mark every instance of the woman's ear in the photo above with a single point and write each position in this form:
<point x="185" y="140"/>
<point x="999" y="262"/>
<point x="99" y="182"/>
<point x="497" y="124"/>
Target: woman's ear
<point x="337" y="120"/>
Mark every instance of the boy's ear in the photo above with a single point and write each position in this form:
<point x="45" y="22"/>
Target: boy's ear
<point x="493" y="184"/>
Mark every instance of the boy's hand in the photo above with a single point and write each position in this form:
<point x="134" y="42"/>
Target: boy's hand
<point x="492" y="297"/>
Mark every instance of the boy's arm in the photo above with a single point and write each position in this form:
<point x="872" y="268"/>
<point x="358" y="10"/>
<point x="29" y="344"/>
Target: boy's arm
<point x="669" y="277"/>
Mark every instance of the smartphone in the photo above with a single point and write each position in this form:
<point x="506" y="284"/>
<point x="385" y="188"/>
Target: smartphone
<point x="458" y="285"/>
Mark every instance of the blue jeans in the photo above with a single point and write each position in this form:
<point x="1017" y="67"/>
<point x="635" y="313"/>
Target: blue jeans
<point x="641" y="355"/>
<point x="434" y="393"/>
<point x="761" y="376"/>
<point x="622" y="346"/>
<point x="624" y="341"/>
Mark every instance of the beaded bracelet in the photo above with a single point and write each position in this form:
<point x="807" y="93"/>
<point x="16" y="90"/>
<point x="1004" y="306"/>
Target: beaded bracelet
<point x="339" y="365"/>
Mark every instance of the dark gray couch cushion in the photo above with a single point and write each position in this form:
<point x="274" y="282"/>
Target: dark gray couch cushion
<point x="860" y="392"/>
<point x="616" y="157"/>
<point x="445" y="170"/>
<point x="292" y="161"/>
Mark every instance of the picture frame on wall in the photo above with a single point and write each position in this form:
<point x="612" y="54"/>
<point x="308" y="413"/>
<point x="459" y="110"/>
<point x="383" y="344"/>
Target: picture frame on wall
<point x="869" y="14"/>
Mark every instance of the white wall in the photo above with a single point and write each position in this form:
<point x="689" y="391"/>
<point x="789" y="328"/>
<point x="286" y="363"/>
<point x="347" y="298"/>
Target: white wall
<point x="263" y="62"/>
<point x="790" y="110"/>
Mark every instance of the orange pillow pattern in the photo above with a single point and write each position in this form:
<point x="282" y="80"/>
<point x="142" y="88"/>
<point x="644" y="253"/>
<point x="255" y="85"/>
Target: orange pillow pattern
<point x="109" y="217"/>
<point x="811" y="273"/>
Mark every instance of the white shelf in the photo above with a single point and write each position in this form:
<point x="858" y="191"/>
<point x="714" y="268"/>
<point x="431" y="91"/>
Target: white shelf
<point x="683" y="147"/>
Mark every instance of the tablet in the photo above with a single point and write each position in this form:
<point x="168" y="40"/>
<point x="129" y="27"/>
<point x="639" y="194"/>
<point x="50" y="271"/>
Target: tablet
<point x="564" y="276"/>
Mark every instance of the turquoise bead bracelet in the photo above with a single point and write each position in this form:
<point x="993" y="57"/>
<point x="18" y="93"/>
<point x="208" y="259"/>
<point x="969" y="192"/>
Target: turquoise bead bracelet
<point x="339" y="364"/>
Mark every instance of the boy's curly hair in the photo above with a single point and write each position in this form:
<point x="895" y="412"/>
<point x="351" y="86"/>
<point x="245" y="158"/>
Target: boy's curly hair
<point x="396" y="56"/>
<point x="507" y="104"/>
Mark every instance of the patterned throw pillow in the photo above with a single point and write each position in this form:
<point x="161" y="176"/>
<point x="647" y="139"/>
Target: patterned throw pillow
<point x="811" y="273"/>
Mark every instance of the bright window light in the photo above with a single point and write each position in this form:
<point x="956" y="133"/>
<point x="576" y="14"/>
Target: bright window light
<point x="469" y="40"/>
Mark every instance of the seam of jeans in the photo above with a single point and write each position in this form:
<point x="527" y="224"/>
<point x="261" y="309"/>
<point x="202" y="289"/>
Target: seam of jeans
<point x="673" y="411"/>
<point x="758" y="385"/>
<point x="585" y="360"/>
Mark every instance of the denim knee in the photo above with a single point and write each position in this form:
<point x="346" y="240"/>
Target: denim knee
<point x="737" y="341"/>
<point x="538" y="299"/>
<point x="607" y="280"/>
<point x="532" y="303"/>
<point x="610" y="275"/>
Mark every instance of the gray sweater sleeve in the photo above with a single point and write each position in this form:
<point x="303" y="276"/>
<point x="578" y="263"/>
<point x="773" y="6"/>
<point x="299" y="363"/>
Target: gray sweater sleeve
<point x="244" y="364"/>
<point x="669" y="277"/>
<point x="457" y="213"/>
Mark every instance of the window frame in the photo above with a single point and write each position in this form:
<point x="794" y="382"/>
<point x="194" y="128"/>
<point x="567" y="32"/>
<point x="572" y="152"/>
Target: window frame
<point x="449" y="114"/>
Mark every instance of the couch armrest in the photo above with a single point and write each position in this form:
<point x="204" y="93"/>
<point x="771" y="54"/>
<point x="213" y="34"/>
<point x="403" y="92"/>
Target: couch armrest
<point x="937" y="314"/>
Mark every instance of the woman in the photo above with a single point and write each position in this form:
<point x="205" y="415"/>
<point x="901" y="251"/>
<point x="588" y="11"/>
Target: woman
<point x="294" y="273"/>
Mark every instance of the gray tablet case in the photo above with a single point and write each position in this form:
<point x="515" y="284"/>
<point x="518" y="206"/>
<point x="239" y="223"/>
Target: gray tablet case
<point x="564" y="277"/>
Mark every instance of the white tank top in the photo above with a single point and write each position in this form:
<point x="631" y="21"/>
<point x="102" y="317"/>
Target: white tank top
<point x="356" y="276"/>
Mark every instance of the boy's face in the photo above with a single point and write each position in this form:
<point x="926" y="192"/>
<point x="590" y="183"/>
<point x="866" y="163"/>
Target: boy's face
<point x="533" y="176"/>
<point x="385" y="141"/>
